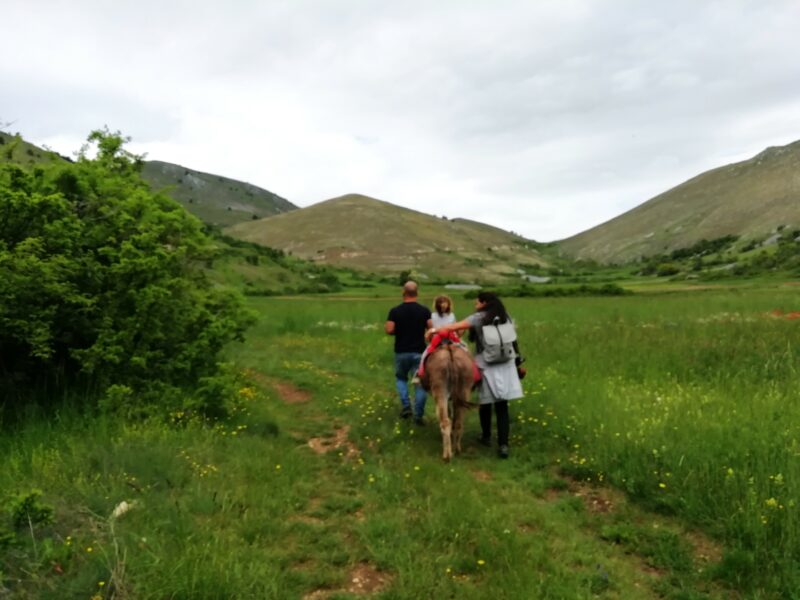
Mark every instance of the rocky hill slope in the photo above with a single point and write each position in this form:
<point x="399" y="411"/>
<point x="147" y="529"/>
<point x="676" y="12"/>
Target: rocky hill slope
<point x="372" y="235"/>
<point x="750" y="199"/>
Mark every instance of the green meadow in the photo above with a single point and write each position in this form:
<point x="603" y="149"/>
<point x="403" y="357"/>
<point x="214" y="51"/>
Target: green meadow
<point x="656" y="455"/>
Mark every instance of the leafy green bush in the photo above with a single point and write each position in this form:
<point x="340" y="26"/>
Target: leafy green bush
<point x="704" y="247"/>
<point x="667" y="269"/>
<point x="101" y="279"/>
<point x="27" y="509"/>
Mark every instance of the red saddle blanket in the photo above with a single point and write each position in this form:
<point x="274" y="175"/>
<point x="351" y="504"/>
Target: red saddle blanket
<point x="436" y="341"/>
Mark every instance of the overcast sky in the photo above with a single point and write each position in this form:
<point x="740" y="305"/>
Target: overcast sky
<point x="543" y="118"/>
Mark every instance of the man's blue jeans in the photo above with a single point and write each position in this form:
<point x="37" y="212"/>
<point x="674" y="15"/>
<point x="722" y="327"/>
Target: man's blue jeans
<point x="405" y="363"/>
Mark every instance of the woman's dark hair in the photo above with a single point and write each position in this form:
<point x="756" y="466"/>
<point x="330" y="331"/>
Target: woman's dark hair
<point x="494" y="309"/>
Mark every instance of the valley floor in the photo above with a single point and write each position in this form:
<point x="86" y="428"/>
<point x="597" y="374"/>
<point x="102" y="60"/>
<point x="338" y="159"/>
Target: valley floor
<point x="314" y="489"/>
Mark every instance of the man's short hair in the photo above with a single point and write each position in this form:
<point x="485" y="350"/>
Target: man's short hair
<point x="410" y="289"/>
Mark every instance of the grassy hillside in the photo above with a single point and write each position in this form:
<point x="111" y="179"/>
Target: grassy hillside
<point x="363" y="233"/>
<point x="750" y="199"/>
<point x="16" y="150"/>
<point x="214" y="199"/>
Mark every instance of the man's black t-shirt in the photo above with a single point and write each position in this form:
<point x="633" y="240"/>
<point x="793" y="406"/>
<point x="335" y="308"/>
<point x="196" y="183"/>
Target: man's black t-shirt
<point x="410" y="320"/>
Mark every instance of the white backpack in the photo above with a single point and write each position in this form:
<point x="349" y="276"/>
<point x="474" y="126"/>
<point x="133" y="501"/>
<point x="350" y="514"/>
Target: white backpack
<point x="498" y="341"/>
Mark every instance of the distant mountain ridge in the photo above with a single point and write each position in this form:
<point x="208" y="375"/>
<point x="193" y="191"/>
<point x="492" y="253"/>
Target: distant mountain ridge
<point x="373" y="235"/>
<point x="750" y="199"/>
<point x="215" y="199"/>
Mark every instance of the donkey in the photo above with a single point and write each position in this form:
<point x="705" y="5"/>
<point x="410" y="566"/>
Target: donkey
<point x="449" y="375"/>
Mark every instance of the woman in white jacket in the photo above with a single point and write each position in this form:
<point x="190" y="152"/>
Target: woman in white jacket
<point x="500" y="381"/>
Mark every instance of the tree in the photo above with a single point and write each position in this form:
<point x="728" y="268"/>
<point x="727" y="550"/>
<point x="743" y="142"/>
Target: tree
<point x="101" y="279"/>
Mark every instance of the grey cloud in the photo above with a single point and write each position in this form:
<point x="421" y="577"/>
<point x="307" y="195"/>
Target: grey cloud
<point x="563" y="114"/>
<point x="40" y="111"/>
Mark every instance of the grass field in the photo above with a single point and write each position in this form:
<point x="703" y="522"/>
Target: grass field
<point x="654" y="455"/>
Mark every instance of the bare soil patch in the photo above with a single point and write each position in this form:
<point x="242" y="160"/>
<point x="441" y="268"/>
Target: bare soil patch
<point x="600" y="500"/>
<point x="339" y="441"/>
<point x="288" y="392"/>
<point x="303" y="566"/>
<point x="364" y="580"/>
<point x="705" y="550"/>
<point x="649" y="569"/>
<point x="482" y="475"/>
<point x="778" y="313"/>
<point x="307" y="519"/>
<point x="552" y="495"/>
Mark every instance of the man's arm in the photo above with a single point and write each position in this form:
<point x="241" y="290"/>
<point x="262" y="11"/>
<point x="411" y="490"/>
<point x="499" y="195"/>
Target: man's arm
<point x="388" y="327"/>
<point x="428" y="330"/>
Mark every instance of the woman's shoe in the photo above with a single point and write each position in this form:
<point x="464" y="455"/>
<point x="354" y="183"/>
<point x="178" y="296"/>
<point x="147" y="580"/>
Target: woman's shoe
<point x="502" y="451"/>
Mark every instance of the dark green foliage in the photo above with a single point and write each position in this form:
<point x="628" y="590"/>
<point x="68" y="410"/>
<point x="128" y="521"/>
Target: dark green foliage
<point x="667" y="269"/>
<point x="101" y="279"/>
<point x="751" y="245"/>
<point x="7" y="538"/>
<point x="785" y="256"/>
<point x="704" y="247"/>
<point x="272" y="253"/>
<point x="720" y="259"/>
<point x="403" y="277"/>
<point x="546" y="291"/>
<point x="665" y="265"/>
<point x="28" y="510"/>
<point x="738" y="569"/>
<point x="662" y="548"/>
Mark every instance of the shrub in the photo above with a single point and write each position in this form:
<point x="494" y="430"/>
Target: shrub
<point x="101" y="279"/>
<point x="667" y="269"/>
<point x="28" y="510"/>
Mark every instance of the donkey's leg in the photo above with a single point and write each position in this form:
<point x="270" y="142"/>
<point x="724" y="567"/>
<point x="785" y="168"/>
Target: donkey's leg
<point x="440" y="393"/>
<point x="459" y="411"/>
<point x="458" y="427"/>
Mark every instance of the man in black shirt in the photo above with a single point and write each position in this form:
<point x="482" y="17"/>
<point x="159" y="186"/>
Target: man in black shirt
<point x="407" y="322"/>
